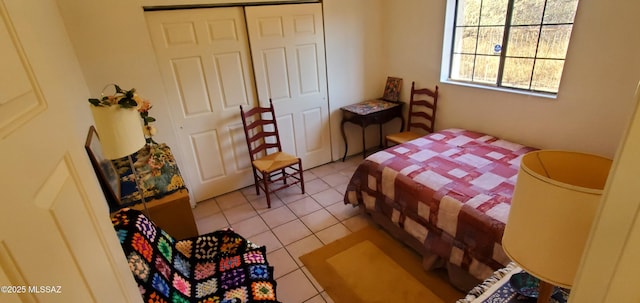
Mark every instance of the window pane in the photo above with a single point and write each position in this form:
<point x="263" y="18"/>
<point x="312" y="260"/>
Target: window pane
<point x="523" y="41"/>
<point x="465" y="40"/>
<point x="560" y="11"/>
<point x="527" y="12"/>
<point x="517" y="72"/>
<point x="486" y="69"/>
<point x="546" y="75"/>
<point x="494" y="12"/>
<point x="554" y="41"/>
<point x="462" y="67"/>
<point x="488" y="38"/>
<point x="468" y="12"/>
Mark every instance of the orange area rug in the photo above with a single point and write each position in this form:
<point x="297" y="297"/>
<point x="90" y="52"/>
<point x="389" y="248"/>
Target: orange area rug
<point x="371" y="266"/>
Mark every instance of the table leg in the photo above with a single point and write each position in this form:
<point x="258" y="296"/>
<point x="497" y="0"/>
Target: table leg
<point x="344" y="137"/>
<point x="364" y="145"/>
<point x="380" y="130"/>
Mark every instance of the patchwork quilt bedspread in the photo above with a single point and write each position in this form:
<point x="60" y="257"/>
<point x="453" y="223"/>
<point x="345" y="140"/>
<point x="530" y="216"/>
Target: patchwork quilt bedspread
<point x="451" y="190"/>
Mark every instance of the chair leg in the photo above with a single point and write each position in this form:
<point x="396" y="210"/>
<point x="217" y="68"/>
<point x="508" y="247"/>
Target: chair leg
<point x="255" y="181"/>
<point x="265" y="178"/>
<point x="301" y="176"/>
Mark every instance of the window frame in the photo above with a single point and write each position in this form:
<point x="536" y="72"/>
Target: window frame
<point x="447" y="56"/>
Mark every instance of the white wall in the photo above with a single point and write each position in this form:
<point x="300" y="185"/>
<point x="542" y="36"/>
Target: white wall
<point x="594" y="102"/>
<point x="614" y="245"/>
<point x="355" y="64"/>
<point x="113" y="45"/>
<point x="367" y="40"/>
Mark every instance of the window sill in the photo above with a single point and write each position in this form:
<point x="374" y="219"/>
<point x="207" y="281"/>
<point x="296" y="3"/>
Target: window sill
<point x="500" y="89"/>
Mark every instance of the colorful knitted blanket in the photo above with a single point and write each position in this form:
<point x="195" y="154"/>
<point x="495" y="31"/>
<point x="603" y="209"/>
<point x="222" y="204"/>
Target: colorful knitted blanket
<point x="219" y="267"/>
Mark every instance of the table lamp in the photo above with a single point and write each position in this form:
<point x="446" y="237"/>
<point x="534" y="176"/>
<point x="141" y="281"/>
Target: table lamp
<point x="556" y="196"/>
<point x="121" y="134"/>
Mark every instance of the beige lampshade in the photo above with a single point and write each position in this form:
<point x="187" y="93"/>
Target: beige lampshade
<point x="555" y="199"/>
<point x="119" y="129"/>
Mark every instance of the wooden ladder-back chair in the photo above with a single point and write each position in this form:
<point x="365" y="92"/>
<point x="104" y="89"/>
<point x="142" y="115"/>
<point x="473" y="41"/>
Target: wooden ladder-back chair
<point x="272" y="168"/>
<point x="422" y="115"/>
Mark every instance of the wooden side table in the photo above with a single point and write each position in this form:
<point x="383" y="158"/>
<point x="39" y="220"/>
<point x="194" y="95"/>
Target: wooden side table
<point x="173" y="214"/>
<point x="369" y="112"/>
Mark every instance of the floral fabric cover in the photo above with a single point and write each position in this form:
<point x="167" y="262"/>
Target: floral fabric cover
<point x="219" y="267"/>
<point x="451" y="190"/>
<point x="156" y="166"/>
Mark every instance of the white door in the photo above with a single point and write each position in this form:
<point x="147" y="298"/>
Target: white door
<point x="204" y="60"/>
<point x="56" y="240"/>
<point x="287" y="47"/>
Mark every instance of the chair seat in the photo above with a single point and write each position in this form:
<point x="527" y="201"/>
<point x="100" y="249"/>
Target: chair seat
<point x="275" y="161"/>
<point x="402" y="137"/>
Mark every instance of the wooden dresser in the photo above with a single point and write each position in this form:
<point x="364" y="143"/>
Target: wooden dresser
<point x="173" y="214"/>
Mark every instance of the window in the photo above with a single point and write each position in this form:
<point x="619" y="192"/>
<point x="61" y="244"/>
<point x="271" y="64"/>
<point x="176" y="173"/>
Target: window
<point x="514" y="44"/>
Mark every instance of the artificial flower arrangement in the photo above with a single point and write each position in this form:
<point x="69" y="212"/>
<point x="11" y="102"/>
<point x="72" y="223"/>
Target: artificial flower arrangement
<point x="130" y="99"/>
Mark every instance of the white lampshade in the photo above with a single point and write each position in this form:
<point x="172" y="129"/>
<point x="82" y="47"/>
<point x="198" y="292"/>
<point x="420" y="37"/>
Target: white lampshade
<point x="119" y="129"/>
<point x="555" y="199"/>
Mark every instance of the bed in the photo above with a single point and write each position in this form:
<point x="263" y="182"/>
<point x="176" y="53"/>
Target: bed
<point x="447" y="195"/>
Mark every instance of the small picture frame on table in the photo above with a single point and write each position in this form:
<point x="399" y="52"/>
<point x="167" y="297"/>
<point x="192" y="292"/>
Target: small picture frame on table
<point x="108" y="177"/>
<point x="392" y="89"/>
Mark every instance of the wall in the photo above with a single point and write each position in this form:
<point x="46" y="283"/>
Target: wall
<point x="590" y="113"/>
<point x="614" y="246"/>
<point x="354" y="46"/>
<point x="595" y="96"/>
<point x="113" y="45"/>
<point x="368" y="40"/>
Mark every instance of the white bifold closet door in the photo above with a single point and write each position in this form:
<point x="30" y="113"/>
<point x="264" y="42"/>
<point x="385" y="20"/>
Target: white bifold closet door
<point x="206" y="64"/>
<point x="287" y="47"/>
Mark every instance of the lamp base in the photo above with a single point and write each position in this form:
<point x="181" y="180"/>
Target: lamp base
<point x="529" y="286"/>
<point x="545" y="290"/>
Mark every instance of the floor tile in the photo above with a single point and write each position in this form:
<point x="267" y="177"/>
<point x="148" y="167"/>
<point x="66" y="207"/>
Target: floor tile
<point x="267" y="239"/>
<point x="302" y="247"/>
<point x="326" y="297"/>
<point x="342" y="211"/>
<point x="333" y="233"/>
<point x="315" y="186"/>
<point x="335" y="179"/>
<point x="239" y="213"/>
<point x="342" y="188"/>
<point x="328" y="197"/>
<point x="260" y="203"/>
<point x="249" y="193"/>
<point x="290" y="232"/>
<point x="293" y="193"/>
<point x="231" y="200"/>
<point x="282" y="262"/>
<point x="319" y="220"/>
<point x="295" y="288"/>
<point x="211" y="223"/>
<point x="313" y="280"/>
<point x="205" y="208"/>
<point x="304" y="206"/>
<point x="323" y="170"/>
<point x="250" y="227"/>
<point x="295" y="224"/>
<point x="278" y="216"/>
<point x="358" y="222"/>
<point x="317" y="299"/>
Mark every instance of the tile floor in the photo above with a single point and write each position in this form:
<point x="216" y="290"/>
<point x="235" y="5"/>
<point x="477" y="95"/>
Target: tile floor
<point x="294" y="225"/>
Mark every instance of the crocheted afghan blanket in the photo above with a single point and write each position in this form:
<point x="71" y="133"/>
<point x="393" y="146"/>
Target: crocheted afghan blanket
<point x="219" y="267"/>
